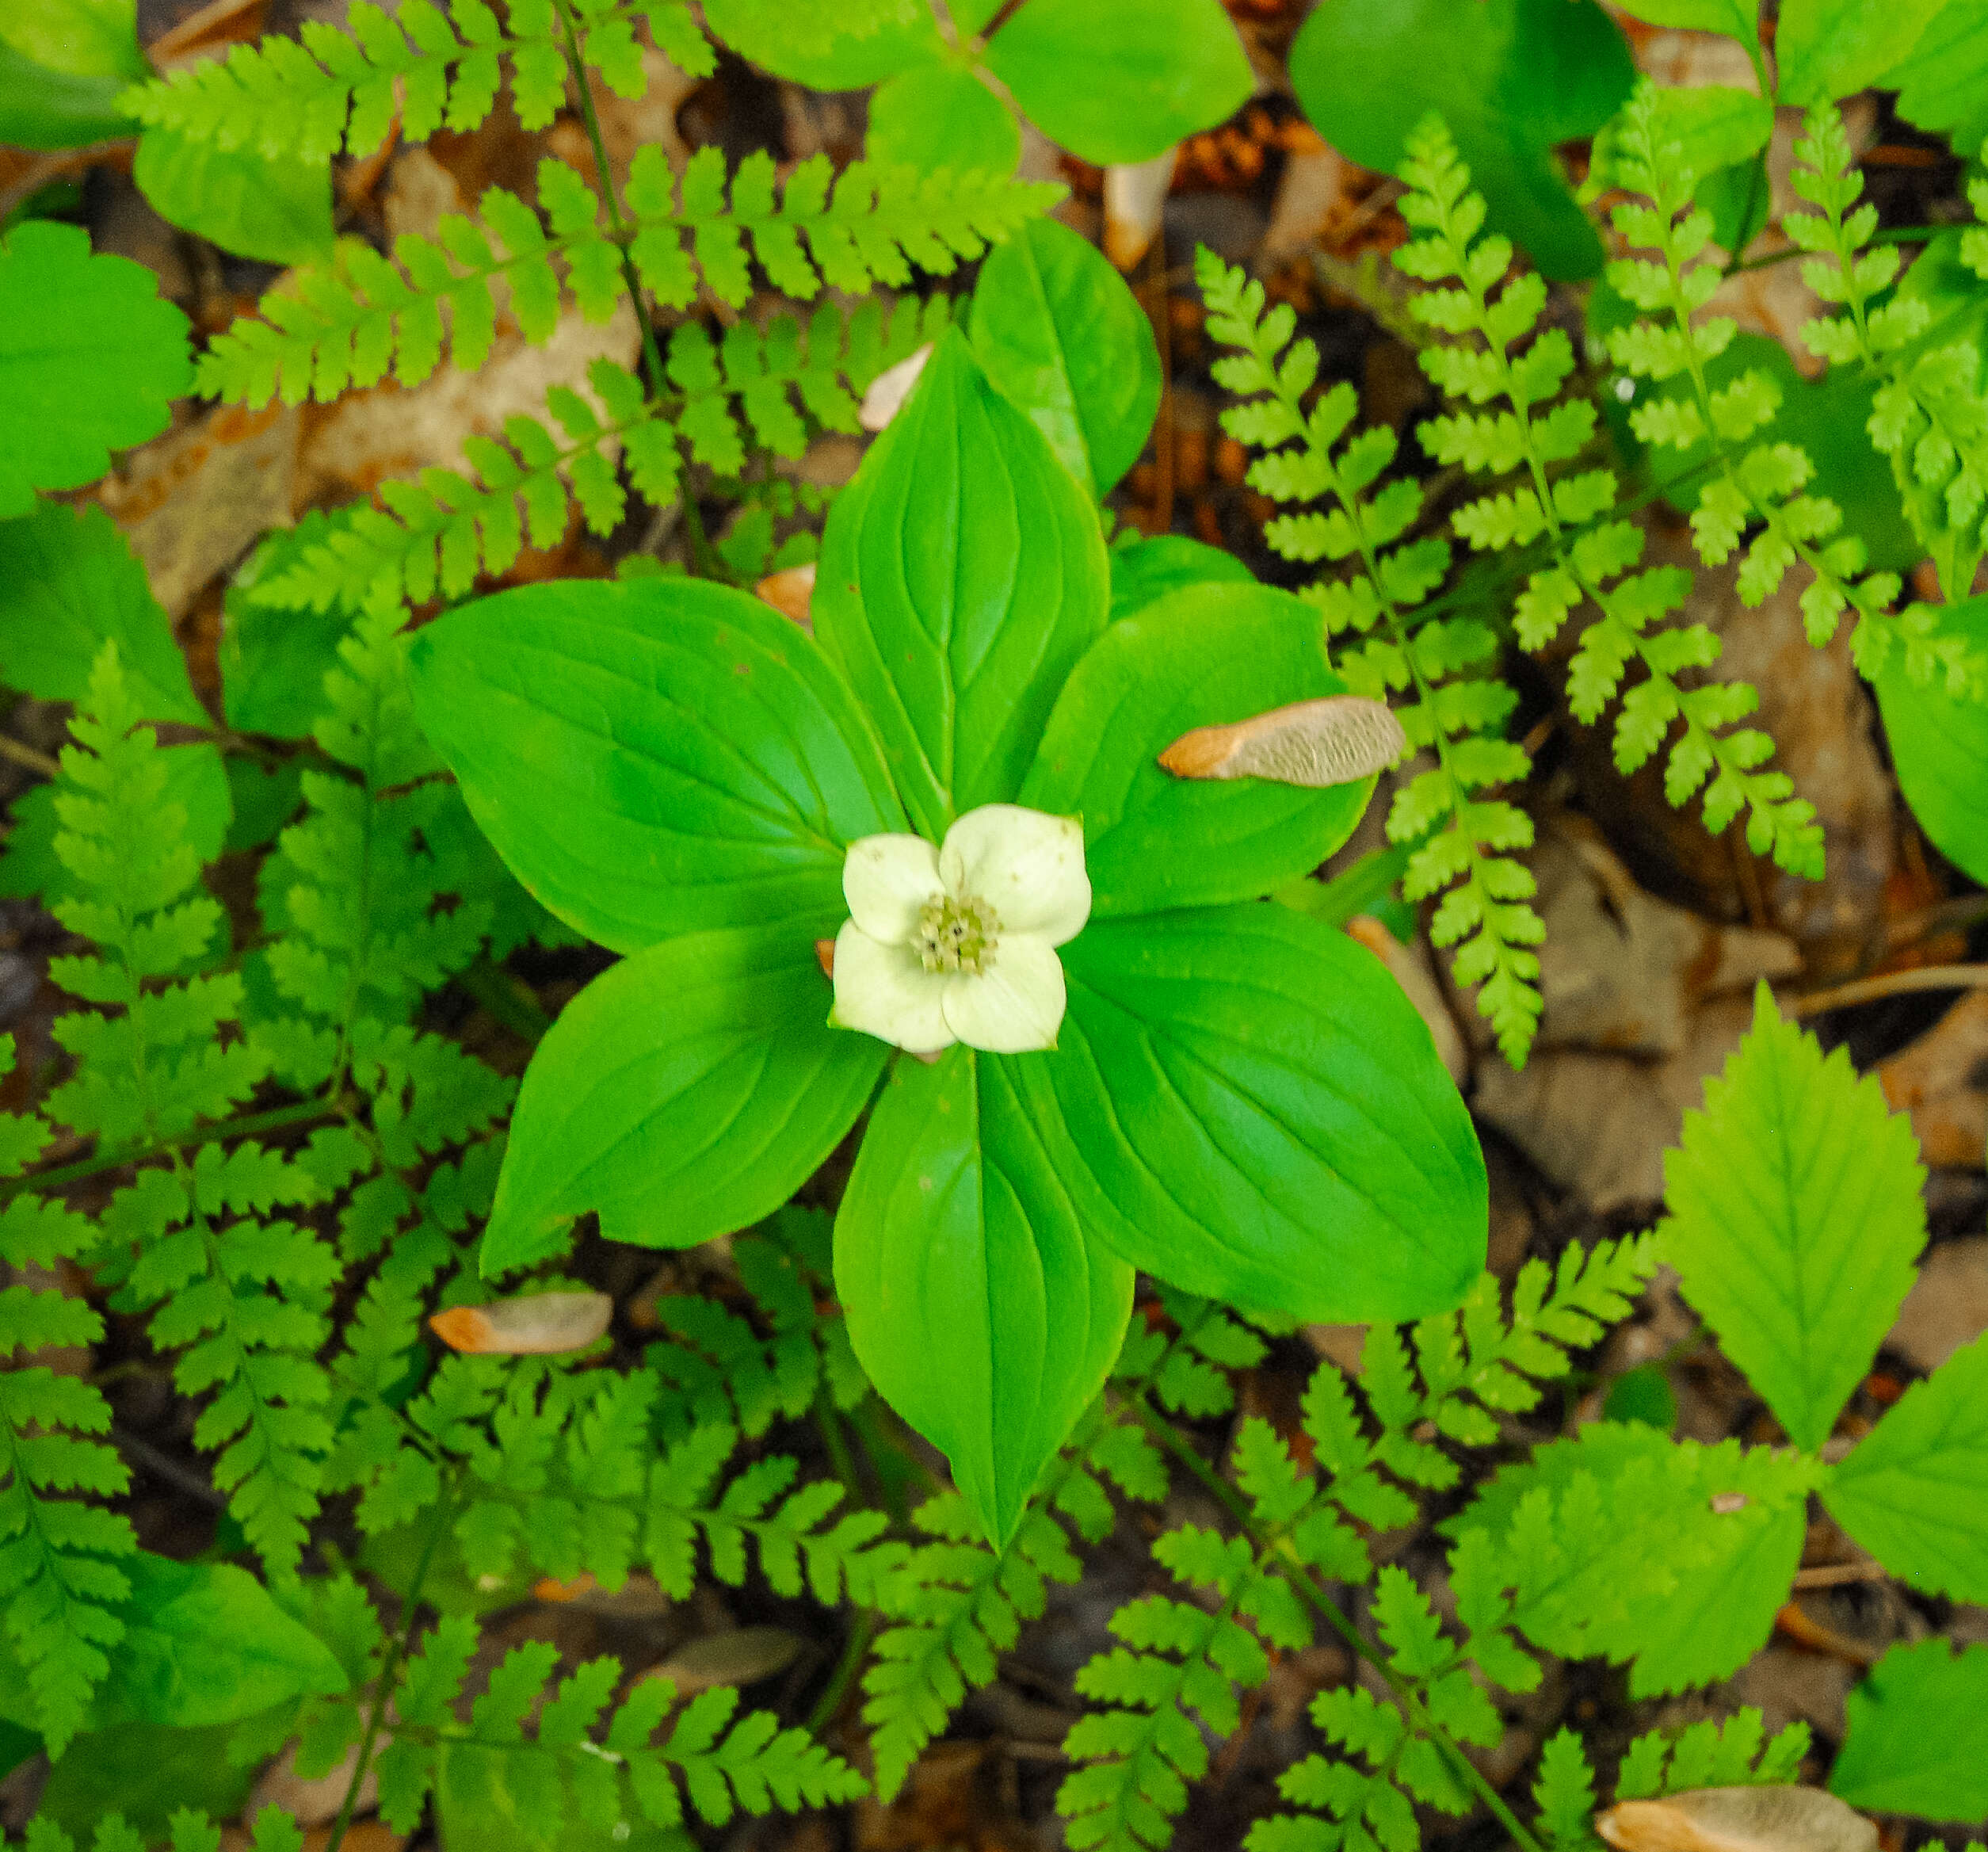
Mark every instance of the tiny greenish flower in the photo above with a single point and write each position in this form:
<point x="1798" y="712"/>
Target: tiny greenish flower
<point x="957" y="944"/>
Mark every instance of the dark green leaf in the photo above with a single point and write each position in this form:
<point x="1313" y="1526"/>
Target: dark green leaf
<point x="1917" y="1736"/>
<point x="981" y="1310"/>
<point x="1209" y="655"/>
<point x="1244" y="1104"/>
<point x="659" y="757"/>
<point x="1121" y="80"/>
<point x="99" y="377"/>
<point x="1939" y="751"/>
<point x="1829" y="48"/>
<point x="45" y="108"/>
<point x="274" y="661"/>
<point x="1943" y="86"/>
<point x="1735" y="16"/>
<point x="264" y="799"/>
<point x="1143" y="572"/>
<point x="69" y="582"/>
<point x="89" y="38"/>
<point x="277" y="208"/>
<point x="1716" y="125"/>
<point x="688" y="1091"/>
<point x="147" y="1772"/>
<point x="1513" y="78"/>
<point x="941" y="116"/>
<point x="962" y="574"/>
<point x="1057" y="330"/>
<point x="1642" y="1394"/>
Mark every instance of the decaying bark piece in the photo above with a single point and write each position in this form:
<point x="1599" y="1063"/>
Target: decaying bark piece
<point x="543" y="1325"/>
<point x="1738" y="1819"/>
<point x="1328" y="742"/>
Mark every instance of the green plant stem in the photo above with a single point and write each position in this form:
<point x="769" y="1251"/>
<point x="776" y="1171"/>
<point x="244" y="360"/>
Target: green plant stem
<point x="1284" y="1562"/>
<point x="507" y="998"/>
<point x="855" y="1650"/>
<point x="322" y="1107"/>
<point x="390" y="1668"/>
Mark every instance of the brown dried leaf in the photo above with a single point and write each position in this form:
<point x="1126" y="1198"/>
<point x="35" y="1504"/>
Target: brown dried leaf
<point x="1738" y="1819"/>
<point x="1328" y="742"/>
<point x="544" y="1324"/>
<point x="791" y="593"/>
<point x="890" y="388"/>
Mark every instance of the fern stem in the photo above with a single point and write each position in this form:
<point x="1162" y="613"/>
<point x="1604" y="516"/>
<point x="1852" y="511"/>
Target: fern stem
<point x="322" y="1107"/>
<point x="1281" y="1560"/>
<point x="390" y="1666"/>
<point x="855" y="1650"/>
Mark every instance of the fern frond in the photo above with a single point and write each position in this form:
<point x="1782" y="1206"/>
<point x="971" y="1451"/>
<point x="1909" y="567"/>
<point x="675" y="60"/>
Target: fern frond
<point x="1760" y="485"/>
<point x="1731" y="1752"/>
<point x="1181" y="1661"/>
<point x="1501" y="355"/>
<point x="58" y="1577"/>
<point x="439" y="532"/>
<point x="1461" y="837"/>
<point x="1930" y="416"/>
<point x="421" y="68"/>
<point x="722" y="1762"/>
<point x="351" y="321"/>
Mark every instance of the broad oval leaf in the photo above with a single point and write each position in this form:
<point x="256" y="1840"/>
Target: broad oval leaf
<point x="982" y="1310"/>
<point x="69" y="582"/>
<point x="1829" y="48"/>
<point x="962" y="575"/>
<point x="1917" y="1740"/>
<point x="1057" y="330"/>
<point x="656" y="757"/>
<point x="1243" y="1103"/>
<point x="99" y="377"/>
<point x="276" y="207"/>
<point x="1914" y="1491"/>
<point x="1511" y="78"/>
<point x="941" y="116"/>
<point x="1939" y="751"/>
<point x="45" y="108"/>
<point x="1118" y="81"/>
<point x="1144" y="571"/>
<point x="1205" y="655"/>
<point x="688" y="1090"/>
<point x="1795" y="1217"/>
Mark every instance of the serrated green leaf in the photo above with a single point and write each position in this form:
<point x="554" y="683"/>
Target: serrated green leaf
<point x="1917" y="1736"/>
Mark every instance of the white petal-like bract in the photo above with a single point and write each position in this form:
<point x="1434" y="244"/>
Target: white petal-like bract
<point x="1018" y="1006"/>
<point x="1026" y="865"/>
<point x="888" y="880"/>
<point x="883" y="990"/>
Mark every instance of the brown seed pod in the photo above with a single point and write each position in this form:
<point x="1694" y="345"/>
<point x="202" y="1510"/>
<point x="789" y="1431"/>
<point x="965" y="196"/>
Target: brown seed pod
<point x="542" y="1325"/>
<point x="1738" y="1819"/>
<point x="1328" y="742"/>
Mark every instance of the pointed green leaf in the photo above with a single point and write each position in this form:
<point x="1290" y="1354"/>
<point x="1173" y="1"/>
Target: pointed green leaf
<point x="1243" y="1103"/>
<point x="1830" y="48"/>
<point x="654" y="758"/>
<point x="1207" y="654"/>
<point x="1795" y="1218"/>
<point x="1144" y="571"/>
<point x="962" y="574"/>
<point x="96" y="378"/>
<point x="274" y="208"/>
<point x="1914" y="1492"/>
<point x="1057" y="331"/>
<point x="848" y="47"/>
<point x="941" y="116"/>
<point x="1918" y="1737"/>
<point x="687" y="1091"/>
<point x="981" y="1312"/>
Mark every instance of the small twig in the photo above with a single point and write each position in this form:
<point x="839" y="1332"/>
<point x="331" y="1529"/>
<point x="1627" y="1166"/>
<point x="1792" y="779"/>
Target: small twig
<point x="11" y="748"/>
<point x="1870" y="990"/>
<point x="1835" y="1575"/>
<point x="163" y="1466"/>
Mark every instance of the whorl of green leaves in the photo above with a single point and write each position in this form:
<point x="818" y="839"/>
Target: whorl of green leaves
<point x="1455" y="707"/>
<point x="422" y="68"/>
<point x="1500" y="354"/>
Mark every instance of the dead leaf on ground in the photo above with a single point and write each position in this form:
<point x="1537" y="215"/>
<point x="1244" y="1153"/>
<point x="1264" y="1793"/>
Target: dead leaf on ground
<point x="545" y="1324"/>
<point x="1942" y="1080"/>
<point x="791" y="593"/>
<point x="192" y="502"/>
<point x="1409" y="965"/>
<point x="1332" y="741"/>
<point x="1135" y="200"/>
<point x="1948" y="1306"/>
<point x="742" y="1656"/>
<point x="1738" y="1819"/>
<point x="316" y="1799"/>
<point x="890" y="389"/>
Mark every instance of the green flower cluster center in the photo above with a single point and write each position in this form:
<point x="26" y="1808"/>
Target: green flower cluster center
<point x="956" y="933"/>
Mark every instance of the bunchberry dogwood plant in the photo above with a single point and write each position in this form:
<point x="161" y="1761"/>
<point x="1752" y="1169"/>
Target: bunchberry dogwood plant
<point x="763" y="798"/>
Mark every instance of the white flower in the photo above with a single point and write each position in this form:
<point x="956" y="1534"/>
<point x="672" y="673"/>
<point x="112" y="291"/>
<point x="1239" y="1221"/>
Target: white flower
<point x="957" y="944"/>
